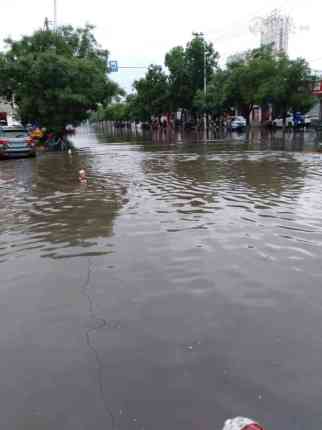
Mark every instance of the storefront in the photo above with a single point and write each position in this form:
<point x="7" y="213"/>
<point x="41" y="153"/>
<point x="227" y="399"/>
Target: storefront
<point x="317" y="91"/>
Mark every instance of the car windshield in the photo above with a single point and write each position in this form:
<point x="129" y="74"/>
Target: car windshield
<point x="14" y="133"/>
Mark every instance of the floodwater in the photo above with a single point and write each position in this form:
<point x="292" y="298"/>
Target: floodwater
<point x="181" y="286"/>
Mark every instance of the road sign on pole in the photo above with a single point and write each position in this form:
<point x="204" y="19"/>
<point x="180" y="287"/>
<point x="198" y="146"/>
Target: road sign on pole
<point x="113" y="66"/>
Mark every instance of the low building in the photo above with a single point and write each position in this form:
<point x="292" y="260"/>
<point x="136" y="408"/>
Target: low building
<point x="316" y="111"/>
<point x="317" y="91"/>
<point x="7" y="108"/>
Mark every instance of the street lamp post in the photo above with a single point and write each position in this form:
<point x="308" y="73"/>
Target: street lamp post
<point x="55" y="15"/>
<point x="201" y="35"/>
<point x="205" y="80"/>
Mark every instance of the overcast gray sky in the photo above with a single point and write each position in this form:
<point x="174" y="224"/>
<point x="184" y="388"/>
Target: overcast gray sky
<point x="138" y="33"/>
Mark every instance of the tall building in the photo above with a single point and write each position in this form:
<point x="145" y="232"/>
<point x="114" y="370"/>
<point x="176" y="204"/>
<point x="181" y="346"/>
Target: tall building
<point x="274" y="30"/>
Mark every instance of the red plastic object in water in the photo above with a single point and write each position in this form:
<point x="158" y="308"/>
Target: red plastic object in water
<point x="253" y="426"/>
<point x="241" y="423"/>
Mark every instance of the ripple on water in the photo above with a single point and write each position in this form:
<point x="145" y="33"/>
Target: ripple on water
<point x="200" y="254"/>
<point x="223" y="194"/>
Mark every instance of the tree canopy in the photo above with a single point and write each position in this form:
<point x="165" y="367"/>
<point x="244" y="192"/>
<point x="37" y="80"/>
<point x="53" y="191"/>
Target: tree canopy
<point x="215" y="101"/>
<point x="292" y="87"/>
<point x="262" y="77"/>
<point x="56" y="77"/>
<point x="255" y="78"/>
<point x="151" y="94"/>
<point x="258" y="78"/>
<point x="186" y="70"/>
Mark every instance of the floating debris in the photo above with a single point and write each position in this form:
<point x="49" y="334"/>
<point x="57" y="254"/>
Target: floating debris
<point x="82" y="176"/>
<point x="241" y="423"/>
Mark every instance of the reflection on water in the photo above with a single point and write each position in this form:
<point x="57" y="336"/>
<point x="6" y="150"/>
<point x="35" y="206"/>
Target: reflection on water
<point x="200" y="257"/>
<point x="45" y="207"/>
<point x="253" y="138"/>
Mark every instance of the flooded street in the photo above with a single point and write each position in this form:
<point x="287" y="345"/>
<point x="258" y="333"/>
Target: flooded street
<point x="181" y="286"/>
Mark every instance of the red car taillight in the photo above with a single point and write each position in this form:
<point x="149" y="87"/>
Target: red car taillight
<point x="3" y="142"/>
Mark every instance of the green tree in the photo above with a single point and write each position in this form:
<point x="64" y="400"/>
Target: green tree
<point x="262" y="77"/>
<point x="180" y="82"/>
<point x="117" y="112"/>
<point x="215" y="101"/>
<point x="292" y="89"/>
<point x="151" y="95"/>
<point x="56" y="77"/>
<point x="136" y="110"/>
<point x="250" y="80"/>
<point x="186" y="68"/>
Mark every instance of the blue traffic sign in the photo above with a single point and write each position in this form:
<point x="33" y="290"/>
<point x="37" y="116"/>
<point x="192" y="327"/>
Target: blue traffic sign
<point x="113" y="65"/>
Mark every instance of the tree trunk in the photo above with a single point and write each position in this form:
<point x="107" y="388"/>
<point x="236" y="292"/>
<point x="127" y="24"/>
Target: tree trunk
<point x="249" y="110"/>
<point x="284" y="119"/>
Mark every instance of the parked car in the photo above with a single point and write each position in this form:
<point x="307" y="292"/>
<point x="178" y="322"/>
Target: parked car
<point x="309" y="120"/>
<point x="279" y="122"/>
<point x="293" y="120"/>
<point x="238" y="123"/>
<point x="16" y="142"/>
<point x="316" y="122"/>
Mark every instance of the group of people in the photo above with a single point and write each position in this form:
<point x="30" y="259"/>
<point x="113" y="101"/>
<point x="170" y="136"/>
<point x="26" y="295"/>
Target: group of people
<point x="163" y="122"/>
<point x="50" y="140"/>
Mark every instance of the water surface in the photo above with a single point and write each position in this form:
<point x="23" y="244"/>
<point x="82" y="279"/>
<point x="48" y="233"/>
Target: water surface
<point x="180" y="286"/>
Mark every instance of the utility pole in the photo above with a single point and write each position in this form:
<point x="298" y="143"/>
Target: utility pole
<point x="201" y="36"/>
<point x="205" y="80"/>
<point x="55" y="15"/>
<point x="46" y="24"/>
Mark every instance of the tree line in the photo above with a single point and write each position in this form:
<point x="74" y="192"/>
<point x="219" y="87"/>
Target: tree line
<point x="56" y="78"/>
<point x="255" y="78"/>
<point x="61" y="77"/>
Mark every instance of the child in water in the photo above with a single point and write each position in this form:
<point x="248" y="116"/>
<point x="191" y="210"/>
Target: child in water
<point x="82" y="176"/>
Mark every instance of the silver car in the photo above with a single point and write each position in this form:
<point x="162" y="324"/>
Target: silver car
<point x="238" y="123"/>
<point x="16" y="142"/>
